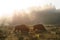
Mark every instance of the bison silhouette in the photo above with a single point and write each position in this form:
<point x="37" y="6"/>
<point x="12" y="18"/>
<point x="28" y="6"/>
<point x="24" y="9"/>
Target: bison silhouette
<point x="38" y="28"/>
<point x="23" y="28"/>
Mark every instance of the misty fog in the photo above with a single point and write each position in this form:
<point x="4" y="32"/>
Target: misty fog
<point x="46" y="15"/>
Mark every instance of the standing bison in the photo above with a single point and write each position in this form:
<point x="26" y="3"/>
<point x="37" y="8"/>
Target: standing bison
<point x="38" y="28"/>
<point x="21" y="28"/>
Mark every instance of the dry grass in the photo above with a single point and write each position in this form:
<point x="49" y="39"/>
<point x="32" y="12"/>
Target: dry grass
<point x="40" y="36"/>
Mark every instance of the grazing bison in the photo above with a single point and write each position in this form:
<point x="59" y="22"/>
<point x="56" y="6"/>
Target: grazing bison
<point x="39" y="28"/>
<point x="23" y="28"/>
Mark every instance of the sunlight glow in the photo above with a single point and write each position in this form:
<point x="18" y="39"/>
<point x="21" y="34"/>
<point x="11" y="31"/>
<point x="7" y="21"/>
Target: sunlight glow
<point x="8" y="6"/>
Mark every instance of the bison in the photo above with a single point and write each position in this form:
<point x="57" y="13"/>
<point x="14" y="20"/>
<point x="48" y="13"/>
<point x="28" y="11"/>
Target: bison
<point x="38" y="28"/>
<point x="23" y="28"/>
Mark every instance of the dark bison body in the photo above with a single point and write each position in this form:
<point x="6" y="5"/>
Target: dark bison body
<point x="22" y="28"/>
<point x="39" y="28"/>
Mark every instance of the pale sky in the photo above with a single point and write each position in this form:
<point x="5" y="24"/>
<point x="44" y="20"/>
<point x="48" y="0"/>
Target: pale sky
<point x="7" y="7"/>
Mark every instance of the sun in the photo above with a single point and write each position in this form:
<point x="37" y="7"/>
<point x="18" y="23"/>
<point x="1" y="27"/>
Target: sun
<point x="7" y="7"/>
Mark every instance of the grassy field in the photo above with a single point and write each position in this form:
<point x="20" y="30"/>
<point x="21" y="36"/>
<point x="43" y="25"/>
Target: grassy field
<point x="7" y="33"/>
